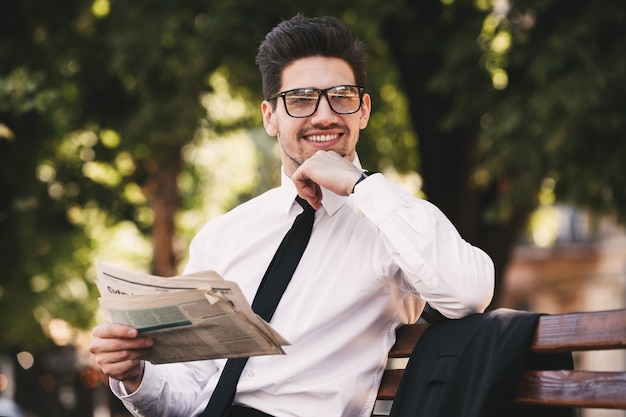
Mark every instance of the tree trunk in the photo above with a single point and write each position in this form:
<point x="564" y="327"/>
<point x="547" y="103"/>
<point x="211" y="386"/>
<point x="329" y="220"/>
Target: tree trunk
<point x="161" y="188"/>
<point x="449" y="150"/>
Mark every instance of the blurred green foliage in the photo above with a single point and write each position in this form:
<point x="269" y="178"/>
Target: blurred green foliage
<point x="105" y="105"/>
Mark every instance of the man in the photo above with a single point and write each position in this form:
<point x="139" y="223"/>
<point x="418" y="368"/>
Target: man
<point x="375" y="256"/>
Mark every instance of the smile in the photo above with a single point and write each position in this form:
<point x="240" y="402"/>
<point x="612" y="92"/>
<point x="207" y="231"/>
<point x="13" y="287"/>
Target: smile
<point x="322" y="138"/>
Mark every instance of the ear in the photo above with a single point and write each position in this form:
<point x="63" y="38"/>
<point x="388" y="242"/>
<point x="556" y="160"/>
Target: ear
<point x="269" y="118"/>
<point x="366" y="108"/>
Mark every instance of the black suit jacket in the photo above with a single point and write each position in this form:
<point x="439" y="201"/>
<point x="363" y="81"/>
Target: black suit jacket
<point x="469" y="368"/>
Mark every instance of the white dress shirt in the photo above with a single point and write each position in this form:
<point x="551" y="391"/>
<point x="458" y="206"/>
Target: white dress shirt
<point x="373" y="260"/>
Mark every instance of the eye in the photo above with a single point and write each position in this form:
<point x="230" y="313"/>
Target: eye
<point x="301" y="96"/>
<point x="344" y="93"/>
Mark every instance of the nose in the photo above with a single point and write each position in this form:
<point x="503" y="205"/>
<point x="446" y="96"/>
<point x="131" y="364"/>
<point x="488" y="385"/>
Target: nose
<point x="324" y="111"/>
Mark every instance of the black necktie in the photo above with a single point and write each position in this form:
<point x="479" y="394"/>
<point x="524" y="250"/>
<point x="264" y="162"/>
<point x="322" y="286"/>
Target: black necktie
<point x="271" y="289"/>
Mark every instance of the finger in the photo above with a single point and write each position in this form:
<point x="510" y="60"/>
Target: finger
<point x="123" y="371"/>
<point x="121" y="364"/>
<point x="113" y="330"/>
<point x="306" y="188"/>
<point x="107" y="358"/>
<point x="311" y="192"/>
<point x="103" y="345"/>
<point x="317" y="200"/>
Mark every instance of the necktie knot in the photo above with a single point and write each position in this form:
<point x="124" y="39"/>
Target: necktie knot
<point x="305" y="204"/>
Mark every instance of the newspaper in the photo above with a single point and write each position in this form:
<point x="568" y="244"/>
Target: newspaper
<point x="190" y="317"/>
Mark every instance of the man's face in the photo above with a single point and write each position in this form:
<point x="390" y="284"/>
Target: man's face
<point x="300" y="138"/>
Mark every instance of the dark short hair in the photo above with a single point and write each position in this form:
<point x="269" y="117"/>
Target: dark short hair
<point x="302" y="37"/>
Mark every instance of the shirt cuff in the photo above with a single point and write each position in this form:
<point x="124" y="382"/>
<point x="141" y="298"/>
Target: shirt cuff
<point x="376" y="198"/>
<point x="147" y="392"/>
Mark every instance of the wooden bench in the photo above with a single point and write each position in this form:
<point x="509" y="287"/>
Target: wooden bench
<point x="571" y="332"/>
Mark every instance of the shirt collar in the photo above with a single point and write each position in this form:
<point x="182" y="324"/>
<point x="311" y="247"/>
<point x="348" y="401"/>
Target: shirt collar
<point x="331" y="202"/>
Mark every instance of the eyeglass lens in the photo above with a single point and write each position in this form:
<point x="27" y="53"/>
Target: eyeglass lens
<point x="303" y="102"/>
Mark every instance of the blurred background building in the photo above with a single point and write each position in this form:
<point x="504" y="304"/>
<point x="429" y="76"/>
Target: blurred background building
<point x="584" y="270"/>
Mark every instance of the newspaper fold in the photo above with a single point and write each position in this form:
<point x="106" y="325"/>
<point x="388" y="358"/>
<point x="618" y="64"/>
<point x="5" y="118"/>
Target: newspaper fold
<point x="190" y="317"/>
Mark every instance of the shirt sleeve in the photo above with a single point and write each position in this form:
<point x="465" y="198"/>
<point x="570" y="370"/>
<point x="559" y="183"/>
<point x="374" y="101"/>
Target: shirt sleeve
<point x="164" y="388"/>
<point x="453" y="276"/>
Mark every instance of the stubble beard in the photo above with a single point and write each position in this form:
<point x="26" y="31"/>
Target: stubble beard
<point x="298" y="160"/>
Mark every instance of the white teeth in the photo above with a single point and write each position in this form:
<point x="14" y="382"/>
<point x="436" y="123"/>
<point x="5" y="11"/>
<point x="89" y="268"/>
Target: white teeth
<point x="322" y="138"/>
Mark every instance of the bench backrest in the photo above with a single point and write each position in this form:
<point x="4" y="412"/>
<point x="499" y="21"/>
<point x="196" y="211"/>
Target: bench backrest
<point x="571" y="332"/>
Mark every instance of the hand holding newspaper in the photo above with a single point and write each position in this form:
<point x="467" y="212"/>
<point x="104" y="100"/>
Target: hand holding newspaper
<point x="190" y="317"/>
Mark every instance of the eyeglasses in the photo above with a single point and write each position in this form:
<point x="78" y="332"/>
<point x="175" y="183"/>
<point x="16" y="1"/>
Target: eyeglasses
<point x="303" y="102"/>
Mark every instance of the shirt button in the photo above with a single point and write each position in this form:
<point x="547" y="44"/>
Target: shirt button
<point x="250" y="372"/>
<point x="368" y="205"/>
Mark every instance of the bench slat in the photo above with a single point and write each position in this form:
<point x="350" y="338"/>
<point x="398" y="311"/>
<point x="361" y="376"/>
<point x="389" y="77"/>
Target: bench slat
<point x="555" y="333"/>
<point x="572" y="389"/>
<point x="581" y="331"/>
<point x="565" y="388"/>
<point x="406" y="338"/>
<point x="389" y="384"/>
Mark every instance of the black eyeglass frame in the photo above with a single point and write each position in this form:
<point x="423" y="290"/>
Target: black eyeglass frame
<point x="321" y="92"/>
